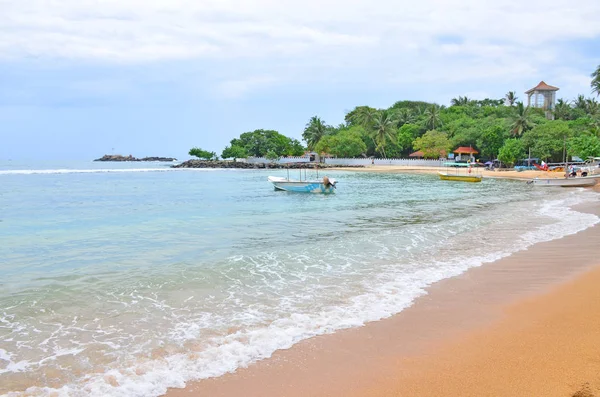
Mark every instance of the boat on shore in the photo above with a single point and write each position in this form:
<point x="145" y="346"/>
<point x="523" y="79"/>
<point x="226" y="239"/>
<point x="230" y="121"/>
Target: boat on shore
<point x="578" y="181"/>
<point x="325" y="185"/>
<point x="461" y="172"/>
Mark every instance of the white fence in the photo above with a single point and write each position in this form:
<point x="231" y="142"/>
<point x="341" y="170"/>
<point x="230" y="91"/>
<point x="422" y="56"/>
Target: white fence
<point x="352" y="161"/>
<point x="407" y="162"/>
<point x="282" y="160"/>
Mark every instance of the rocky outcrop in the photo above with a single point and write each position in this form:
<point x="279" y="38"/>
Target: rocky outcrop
<point x="239" y="164"/>
<point x="118" y="157"/>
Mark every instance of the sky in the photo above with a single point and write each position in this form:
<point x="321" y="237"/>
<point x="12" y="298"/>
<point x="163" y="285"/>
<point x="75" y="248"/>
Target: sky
<point x="84" y="78"/>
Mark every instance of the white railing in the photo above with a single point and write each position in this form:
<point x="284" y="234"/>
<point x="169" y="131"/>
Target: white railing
<point x="374" y="161"/>
<point x="351" y="161"/>
<point x="282" y="160"/>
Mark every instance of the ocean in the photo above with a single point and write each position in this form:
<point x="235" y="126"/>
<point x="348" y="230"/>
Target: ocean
<point x="124" y="279"/>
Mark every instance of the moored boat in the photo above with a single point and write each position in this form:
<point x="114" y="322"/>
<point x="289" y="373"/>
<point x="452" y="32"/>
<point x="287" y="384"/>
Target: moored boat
<point x="326" y="185"/>
<point x="579" y="181"/>
<point x="461" y="172"/>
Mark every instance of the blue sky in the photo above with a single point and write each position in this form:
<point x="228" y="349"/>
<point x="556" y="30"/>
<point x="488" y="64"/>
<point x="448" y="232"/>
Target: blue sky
<point x="81" y="78"/>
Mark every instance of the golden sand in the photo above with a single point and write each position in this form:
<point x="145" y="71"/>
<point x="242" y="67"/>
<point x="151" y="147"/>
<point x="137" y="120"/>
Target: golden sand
<point x="397" y="169"/>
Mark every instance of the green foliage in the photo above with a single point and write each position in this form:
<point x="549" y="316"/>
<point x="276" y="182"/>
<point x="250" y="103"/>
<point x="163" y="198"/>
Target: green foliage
<point x="259" y="142"/>
<point x="315" y="130"/>
<point x="522" y="121"/>
<point x="433" y="144"/>
<point x="546" y="141"/>
<point x="363" y="116"/>
<point x="347" y="143"/>
<point x="272" y="156"/>
<point x="486" y="124"/>
<point x="384" y="130"/>
<point x="406" y="135"/>
<point x="511" y="151"/>
<point x="432" y="116"/>
<point x="202" y="154"/>
<point x="511" y="98"/>
<point x="234" y="152"/>
<point x="584" y="146"/>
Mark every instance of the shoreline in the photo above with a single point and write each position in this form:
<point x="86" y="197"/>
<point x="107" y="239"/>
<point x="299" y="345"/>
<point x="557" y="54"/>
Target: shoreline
<point x="497" y="174"/>
<point x="380" y="357"/>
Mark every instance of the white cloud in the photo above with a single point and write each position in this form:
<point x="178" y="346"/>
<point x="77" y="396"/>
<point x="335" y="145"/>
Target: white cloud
<point x="307" y="40"/>
<point x="142" y="31"/>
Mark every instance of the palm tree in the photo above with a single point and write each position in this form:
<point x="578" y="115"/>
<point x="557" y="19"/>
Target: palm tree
<point x="592" y="107"/>
<point x="521" y="123"/>
<point x="432" y="117"/>
<point x="511" y="98"/>
<point x="460" y="101"/>
<point x="595" y="84"/>
<point x="384" y="129"/>
<point x="562" y="110"/>
<point x="363" y="116"/>
<point x="580" y="102"/>
<point x="404" y="116"/>
<point x="314" y="131"/>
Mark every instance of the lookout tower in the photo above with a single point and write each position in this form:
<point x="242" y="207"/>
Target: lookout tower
<point x="544" y="96"/>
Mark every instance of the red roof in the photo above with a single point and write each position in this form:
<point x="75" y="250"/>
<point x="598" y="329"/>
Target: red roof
<point x="466" y="150"/>
<point x="542" y="86"/>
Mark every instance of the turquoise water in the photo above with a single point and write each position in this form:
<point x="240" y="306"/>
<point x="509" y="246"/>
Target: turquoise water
<point x="125" y="279"/>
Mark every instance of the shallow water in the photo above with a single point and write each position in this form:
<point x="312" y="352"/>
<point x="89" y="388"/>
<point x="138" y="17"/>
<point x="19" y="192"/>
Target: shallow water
<point x="126" y="279"/>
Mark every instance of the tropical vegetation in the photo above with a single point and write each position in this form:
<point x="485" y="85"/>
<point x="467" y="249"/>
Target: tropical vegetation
<point x="502" y="128"/>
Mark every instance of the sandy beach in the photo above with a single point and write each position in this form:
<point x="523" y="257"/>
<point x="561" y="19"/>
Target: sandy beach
<point x="393" y="169"/>
<point x="526" y="325"/>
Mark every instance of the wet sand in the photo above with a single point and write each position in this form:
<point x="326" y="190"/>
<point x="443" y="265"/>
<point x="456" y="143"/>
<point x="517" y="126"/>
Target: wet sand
<point x="526" y="325"/>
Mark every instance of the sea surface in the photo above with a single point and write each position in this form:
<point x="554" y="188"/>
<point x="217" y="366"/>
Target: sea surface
<point x="123" y="279"/>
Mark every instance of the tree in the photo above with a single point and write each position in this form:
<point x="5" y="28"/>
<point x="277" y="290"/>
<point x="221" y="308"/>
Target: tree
<point x="272" y="156"/>
<point x="384" y="130"/>
<point x="546" y="141"/>
<point x="202" y="154"/>
<point x="404" y="116"/>
<point x="259" y="142"/>
<point x="510" y="98"/>
<point x="522" y="121"/>
<point x="584" y="146"/>
<point x="595" y="84"/>
<point x="433" y="144"/>
<point x="347" y="143"/>
<point x="406" y="135"/>
<point x="511" y="151"/>
<point x="432" y="117"/>
<point x="363" y="116"/>
<point x="313" y="132"/>
<point x="234" y="152"/>
<point x="580" y="102"/>
<point x="562" y="110"/>
<point x="491" y="140"/>
<point x="460" y="101"/>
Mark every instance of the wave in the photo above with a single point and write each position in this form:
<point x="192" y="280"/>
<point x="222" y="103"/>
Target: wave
<point x="392" y="291"/>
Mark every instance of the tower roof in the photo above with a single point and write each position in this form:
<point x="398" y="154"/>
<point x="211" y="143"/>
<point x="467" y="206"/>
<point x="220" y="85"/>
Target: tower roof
<point x="542" y="86"/>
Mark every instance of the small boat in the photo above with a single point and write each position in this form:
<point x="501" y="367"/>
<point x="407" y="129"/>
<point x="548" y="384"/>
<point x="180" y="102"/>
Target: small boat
<point x="578" y="181"/>
<point x="461" y="172"/>
<point x="326" y="185"/>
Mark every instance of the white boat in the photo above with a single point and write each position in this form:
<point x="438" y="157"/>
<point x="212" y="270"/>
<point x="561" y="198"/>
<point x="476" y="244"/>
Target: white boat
<point x="579" y="181"/>
<point x="326" y="185"/>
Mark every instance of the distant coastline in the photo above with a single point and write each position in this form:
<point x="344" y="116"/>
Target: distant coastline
<point x="118" y="157"/>
<point x="245" y="165"/>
